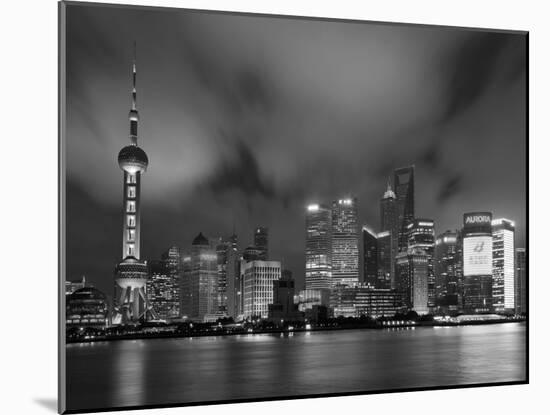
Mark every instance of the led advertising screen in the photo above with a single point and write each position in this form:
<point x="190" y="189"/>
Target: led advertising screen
<point x="478" y="255"/>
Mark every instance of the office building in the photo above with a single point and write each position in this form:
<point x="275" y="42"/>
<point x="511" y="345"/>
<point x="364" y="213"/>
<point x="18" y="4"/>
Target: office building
<point x="160" y="293"/>
<point x="504" y="270"/>
<point x="257" y="280"/>
<point x="446" y="261"/>
<point x="403" y="184"/>
<point x="386" y="262"/>
<point x="283" y="308"/>
<point x="318" y="271"/>
<point x="411" y="270"/>
<point x="421" y="234"/>
<point x="201" y="281"/>
<point x="365" y="301"/>
<point x="261" y="242"/>
<point x="222" y="251"/>
<point x="172" y="264"/>
<point x="308" y="298"/>
<point x="186" y="294"/>
<point x="389" y="222"/>
<point x="345" y="242"/>
<point x="477" y="262"/>
<point x="370" y="258"/>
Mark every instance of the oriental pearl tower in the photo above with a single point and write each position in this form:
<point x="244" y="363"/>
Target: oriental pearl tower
<point x="131" y="273"/>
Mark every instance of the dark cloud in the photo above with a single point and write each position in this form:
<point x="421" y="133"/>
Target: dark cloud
<point x="472" y="69"/>
<point x="241" y="173"/>
<point x="450" y="188"/>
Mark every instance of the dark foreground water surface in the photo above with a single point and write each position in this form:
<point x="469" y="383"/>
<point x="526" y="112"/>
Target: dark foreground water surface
<point x="165" y="371"/>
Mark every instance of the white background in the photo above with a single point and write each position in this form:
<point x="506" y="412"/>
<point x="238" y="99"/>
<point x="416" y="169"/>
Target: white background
<point x="28" y="231"/>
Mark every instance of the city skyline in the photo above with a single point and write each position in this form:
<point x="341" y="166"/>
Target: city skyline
<point x="242" y="188"/>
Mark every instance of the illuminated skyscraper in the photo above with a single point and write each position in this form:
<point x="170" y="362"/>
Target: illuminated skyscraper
<point x="226" y="251"/>
<point x="345" y="242"/>
<point x="386" y="263"/>
<point x="258" y="277"/>
<point x="389" y="222"/>
<point x="203" y="280"/>
<point x="403" y="184"/>
<point x="172" y="263"/>
<point x="261" y="242"/>
<point x="370" y="258"/>
<point x="131" y="273"/>
<point x="318" y="247"/>
<point x="503" y="266"/>
<point x="521" y="281"/>
<point x="412" y="279"/>
<point x="186" y="293"/>
<point x="446" y="271"/>
<point x="477" y="262"/>
<point x="421" y="235"/>
<point x="160" y="290"/>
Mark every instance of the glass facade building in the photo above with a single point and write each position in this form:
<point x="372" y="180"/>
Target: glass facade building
<point x="370" y="258"/>
<point x="345" y="242"/>
<point x="421" y="235"/>
<point x="261" y="242"/>
<point x="257" y="277"/>
<point x="200" y="281"/>
<point x="389" y="222"/>
<point x="403" y="184"/>
<point x="386" y="262"/>
<point x="446" y="260"/>
<point x="412" y="275"/>
<point x="503" y="266"/>
<point x="318" y="271"/>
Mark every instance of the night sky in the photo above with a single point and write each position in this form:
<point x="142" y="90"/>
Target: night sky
<point x="248" y="119"/>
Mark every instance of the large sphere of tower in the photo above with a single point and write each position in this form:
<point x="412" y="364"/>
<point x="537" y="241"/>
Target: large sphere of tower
<point x="132" y="159"/>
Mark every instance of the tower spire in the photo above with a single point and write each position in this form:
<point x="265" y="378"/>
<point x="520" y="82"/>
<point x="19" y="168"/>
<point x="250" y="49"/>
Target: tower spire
<point x="389" y="192"/>
<point x="134" y="116"/>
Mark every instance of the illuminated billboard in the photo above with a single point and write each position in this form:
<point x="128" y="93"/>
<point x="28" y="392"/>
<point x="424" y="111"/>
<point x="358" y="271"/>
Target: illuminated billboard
<point x="478" y="255"/>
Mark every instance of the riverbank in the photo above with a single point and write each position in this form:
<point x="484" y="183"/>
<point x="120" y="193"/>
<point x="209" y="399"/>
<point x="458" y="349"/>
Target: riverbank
<point x="175" y="332"/>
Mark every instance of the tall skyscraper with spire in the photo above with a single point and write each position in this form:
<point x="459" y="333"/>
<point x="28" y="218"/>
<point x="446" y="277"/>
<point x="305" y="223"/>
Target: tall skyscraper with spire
<point x="131" y="273"/>
<point x="403" y="184"/>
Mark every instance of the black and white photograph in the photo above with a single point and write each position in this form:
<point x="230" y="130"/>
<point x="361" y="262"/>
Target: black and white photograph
<point x="263" y="207"/>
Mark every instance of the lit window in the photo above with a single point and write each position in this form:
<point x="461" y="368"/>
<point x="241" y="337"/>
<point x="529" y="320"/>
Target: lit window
<point x="131" y="178"/>
<point x="131" y="221"/>
<point x="131" y="206"/>
<point x="131" y="234"/>
<point x="131" y="191"/>
<point x="131" y="250"/>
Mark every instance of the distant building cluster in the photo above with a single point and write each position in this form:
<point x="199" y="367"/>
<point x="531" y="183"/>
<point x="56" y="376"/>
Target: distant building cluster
<point x="405" y="266"/>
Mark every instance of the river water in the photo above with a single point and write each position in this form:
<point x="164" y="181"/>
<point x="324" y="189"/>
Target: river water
<point x="171" y="371"/>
